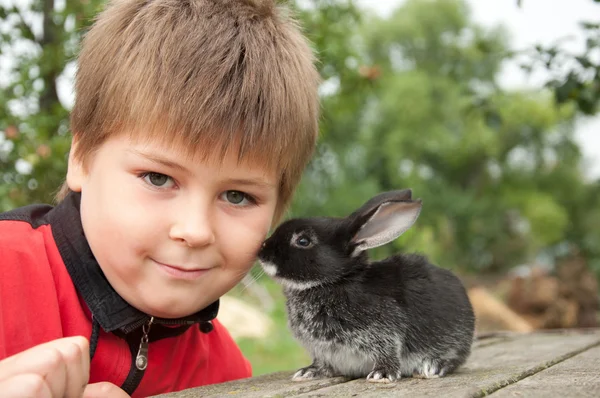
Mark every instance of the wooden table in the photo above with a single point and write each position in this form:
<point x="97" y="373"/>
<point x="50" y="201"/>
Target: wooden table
<point x="563" y="363"/>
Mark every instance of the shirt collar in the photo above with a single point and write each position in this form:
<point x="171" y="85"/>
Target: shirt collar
<point x="109" y="309"/>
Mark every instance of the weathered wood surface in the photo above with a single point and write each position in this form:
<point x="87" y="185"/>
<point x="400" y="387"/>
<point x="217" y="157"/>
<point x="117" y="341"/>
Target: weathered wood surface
<point x="562" y="363"/>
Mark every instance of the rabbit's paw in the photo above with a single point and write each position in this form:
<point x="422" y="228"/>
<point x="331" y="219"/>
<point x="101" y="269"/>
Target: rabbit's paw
<point x="311" y="372"/>
<point x="429" y="371"/>
<point x="383" y="376"/>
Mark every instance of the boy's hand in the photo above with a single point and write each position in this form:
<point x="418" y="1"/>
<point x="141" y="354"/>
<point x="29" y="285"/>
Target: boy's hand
<point x="56" y="369"/>
<point x="104" y="390"/>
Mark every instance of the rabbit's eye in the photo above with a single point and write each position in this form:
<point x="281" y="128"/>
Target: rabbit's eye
<point x="302" y="241"/>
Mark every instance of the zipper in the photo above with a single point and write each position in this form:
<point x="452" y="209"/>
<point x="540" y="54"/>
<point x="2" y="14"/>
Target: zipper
<point x="173" y="322"/>
<point x="156" y="321"/>
<point x="139" y="359"/>
<point x="134" y="326"/>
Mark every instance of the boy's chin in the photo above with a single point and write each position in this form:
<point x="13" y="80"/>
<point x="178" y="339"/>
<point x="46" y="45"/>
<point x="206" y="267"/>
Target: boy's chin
<point x="171" y="311"/>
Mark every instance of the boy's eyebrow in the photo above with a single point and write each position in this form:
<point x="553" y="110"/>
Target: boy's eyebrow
<point x="259" y="182"/>
<point x="159" y="159"/>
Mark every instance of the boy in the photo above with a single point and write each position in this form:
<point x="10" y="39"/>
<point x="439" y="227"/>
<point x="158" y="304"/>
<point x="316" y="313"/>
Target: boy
<point x="193" y="122"/>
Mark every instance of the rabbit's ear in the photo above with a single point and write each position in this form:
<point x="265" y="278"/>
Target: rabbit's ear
<point x="376" y="201"/>
<point x="384" y="223"/>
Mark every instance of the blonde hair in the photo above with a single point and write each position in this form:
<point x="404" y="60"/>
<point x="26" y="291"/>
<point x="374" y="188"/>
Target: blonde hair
<point x="206" y="74"/>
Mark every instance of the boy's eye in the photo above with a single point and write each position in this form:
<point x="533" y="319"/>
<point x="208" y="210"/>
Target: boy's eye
<point x="235" y="197"/>
<point x="157" y="179"/>
<point x="238" y="197"/>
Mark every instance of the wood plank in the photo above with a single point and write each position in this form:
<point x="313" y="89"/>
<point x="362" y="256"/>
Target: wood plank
<point x="494" y="364"/>
<point x="578" y="376"/>
<point x="489" y="340"/>
<point x="271" y="385"/>
<point x="489" y="369"/>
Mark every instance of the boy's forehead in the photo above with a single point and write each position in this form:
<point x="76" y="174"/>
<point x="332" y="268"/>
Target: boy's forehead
<point x="222" y="153"/>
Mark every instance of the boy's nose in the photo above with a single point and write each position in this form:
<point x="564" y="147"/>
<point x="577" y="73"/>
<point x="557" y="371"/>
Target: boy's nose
<point x="196" y="237"/>
<point x="195" y="230"/>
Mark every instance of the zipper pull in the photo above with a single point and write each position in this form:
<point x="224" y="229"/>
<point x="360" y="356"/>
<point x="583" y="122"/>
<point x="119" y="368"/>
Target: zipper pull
<point x="141" y="360"/>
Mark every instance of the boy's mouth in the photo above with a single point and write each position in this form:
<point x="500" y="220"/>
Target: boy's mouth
<point x="180" y="272"/>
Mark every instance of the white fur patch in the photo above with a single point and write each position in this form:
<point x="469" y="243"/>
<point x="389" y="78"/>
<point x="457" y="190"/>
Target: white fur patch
<point x="294" y="285"/>
<point x="269" y="268"/>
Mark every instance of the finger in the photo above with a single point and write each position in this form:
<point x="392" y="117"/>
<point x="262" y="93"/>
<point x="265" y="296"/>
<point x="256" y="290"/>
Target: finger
<point x="85" y="358"/>
<point x="54" y="370"/>
<point x="25" y="385"/>
<point x="31" y="360"/>
<point x="59" y="362"/>
<point x="104" y="390"/>
<point x="75" y="356"/>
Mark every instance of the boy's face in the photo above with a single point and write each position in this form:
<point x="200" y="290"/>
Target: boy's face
<point x="170" y="233"/>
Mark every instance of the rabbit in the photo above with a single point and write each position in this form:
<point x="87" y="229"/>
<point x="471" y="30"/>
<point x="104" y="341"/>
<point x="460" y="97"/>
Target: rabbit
<point x="397" y="317"/>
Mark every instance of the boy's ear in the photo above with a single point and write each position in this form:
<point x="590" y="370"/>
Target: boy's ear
<point x="75" y="171"/>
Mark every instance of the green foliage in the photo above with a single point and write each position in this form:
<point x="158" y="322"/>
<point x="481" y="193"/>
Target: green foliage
<point x="40" y="40"/>
<point x="580" y="84"/>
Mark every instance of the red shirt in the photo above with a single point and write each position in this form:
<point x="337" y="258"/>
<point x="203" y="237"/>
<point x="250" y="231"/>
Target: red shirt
<point x="51" y="285"/>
